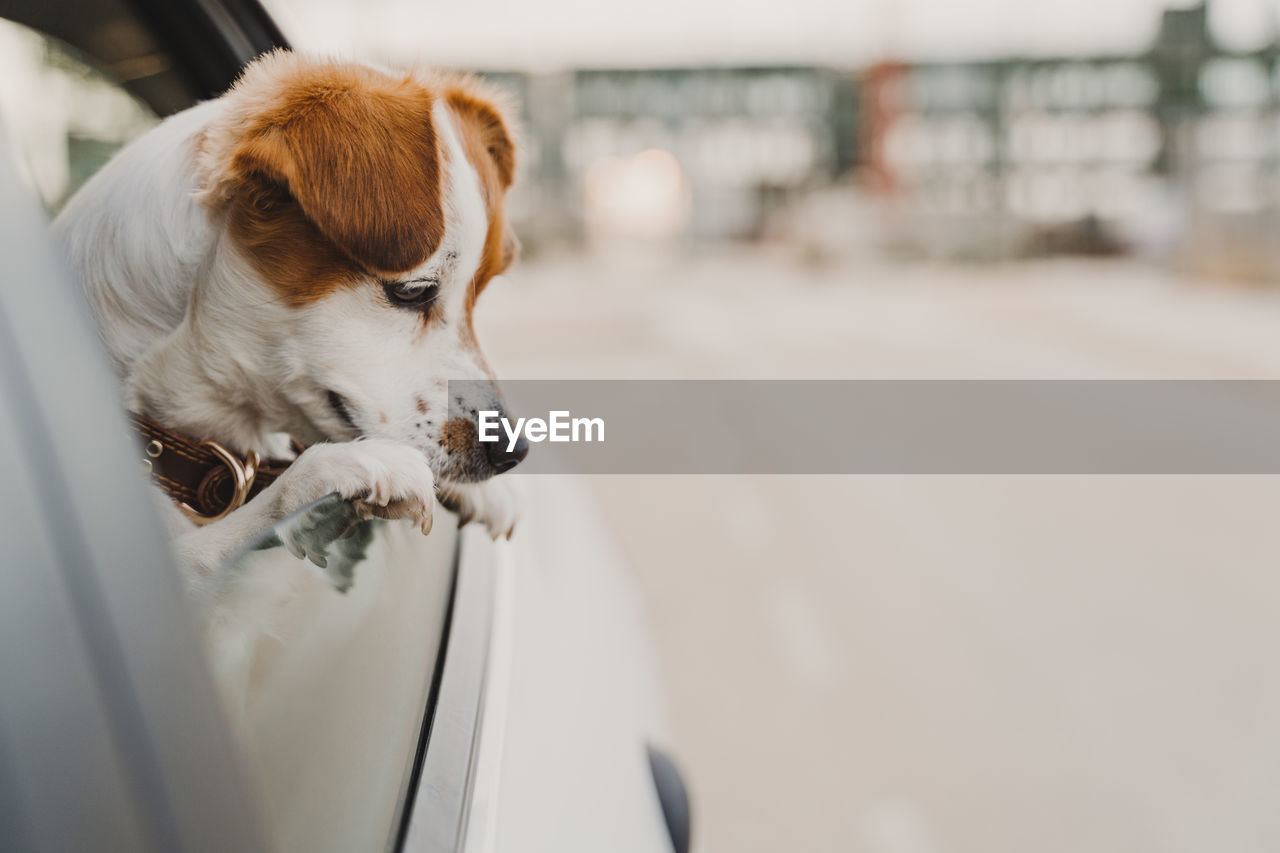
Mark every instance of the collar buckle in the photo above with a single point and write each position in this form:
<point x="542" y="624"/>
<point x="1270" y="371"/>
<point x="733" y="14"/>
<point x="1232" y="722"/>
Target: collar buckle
<point x="242" y="475"/>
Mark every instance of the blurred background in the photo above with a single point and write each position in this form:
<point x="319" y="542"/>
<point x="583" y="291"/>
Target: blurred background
<point x="912" y="189"/>
<point x="895" y="189"/>
<point x="952" y="131"/>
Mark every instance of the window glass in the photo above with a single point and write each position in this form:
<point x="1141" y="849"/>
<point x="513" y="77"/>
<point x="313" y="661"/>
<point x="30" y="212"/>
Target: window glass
<point x="330" y="699"/>
<point x="62" y="119"/>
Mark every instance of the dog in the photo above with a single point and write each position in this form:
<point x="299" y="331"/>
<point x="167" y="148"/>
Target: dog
<point x="288" y="272"/>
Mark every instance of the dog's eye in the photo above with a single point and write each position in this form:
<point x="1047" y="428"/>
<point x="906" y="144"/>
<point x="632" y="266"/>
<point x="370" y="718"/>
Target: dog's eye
<point x="411" y="294"/>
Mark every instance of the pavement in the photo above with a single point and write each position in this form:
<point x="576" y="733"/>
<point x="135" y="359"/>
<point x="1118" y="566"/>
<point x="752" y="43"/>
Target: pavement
<point x="936" y="664"/>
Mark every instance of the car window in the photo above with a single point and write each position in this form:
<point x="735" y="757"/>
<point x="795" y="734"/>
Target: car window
<point x="62" y="118"/>
<point x="324" y="680"/>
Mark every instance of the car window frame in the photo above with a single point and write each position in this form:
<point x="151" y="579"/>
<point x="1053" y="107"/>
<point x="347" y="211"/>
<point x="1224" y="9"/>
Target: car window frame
<point x="179" y="51"/>
<point x="470" y="669"/>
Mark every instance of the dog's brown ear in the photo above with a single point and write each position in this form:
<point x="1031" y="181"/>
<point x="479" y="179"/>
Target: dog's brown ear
<point x="510" y="248"/>
<point x="358" y="152"/>
<point x="486" y="134"/>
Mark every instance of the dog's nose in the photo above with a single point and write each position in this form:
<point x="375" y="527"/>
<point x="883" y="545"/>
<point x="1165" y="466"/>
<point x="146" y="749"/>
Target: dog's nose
<point x="503" y="459"/>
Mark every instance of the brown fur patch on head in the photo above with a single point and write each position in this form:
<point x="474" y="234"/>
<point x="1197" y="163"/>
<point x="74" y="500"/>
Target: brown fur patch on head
<point x="329" y="170"/>
<point x="286" y="247"/>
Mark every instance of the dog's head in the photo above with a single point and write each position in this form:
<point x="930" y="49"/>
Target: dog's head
<point x="368" y="208"/>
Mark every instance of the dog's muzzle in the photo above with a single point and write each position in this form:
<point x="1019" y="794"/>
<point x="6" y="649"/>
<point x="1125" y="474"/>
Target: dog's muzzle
<point x="473" y="460"/>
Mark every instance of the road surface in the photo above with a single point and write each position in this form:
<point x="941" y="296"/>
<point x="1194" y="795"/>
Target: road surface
<point x="933" y="664"/>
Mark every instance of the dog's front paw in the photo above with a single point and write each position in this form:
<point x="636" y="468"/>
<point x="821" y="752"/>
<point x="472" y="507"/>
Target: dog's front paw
<point x="495" y="503"/>
<point x="330" y="533"/>
<point x="377" y="478"/>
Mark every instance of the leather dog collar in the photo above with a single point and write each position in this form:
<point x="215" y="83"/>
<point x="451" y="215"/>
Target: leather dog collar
<point x="207" y="480"/>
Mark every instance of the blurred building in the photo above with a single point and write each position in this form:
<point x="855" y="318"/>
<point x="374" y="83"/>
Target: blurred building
<point x="1171" y="151"/>
<point x="1004" y="157"/>
<point x="696" y="153"/>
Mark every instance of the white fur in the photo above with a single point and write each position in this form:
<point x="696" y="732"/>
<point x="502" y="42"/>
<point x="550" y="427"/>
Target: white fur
<point x="206" y="347"/>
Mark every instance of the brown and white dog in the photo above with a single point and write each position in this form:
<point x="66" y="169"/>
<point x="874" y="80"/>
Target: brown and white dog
<point x="301" y="257"/>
